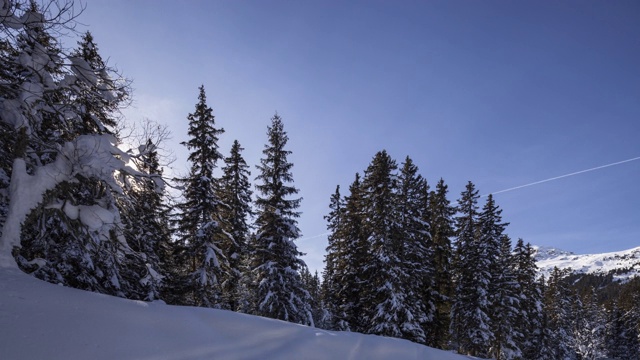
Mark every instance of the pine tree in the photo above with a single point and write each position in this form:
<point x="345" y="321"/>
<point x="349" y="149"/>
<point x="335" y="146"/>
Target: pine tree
<point x="589" y="328"/>
<point x="146" y="220"/>
<point x="493" y="269"/>
<point x="621" y="334"/>
<point x="470" y="323"/>
<point x="275" y="259"/>
<point x="441" y="226"/>
<point x="62" y="222"/>
<point x="313" y="286"/>
<point x="529" y="321"/>
<point x="99" y="95"/>
<point x="412" y="212"/>
<point x="235" y="194"/>
<point x="506" y="306"/>
<point x="350" y="279"/>
<point x="199" y="224"/>
<point x="560" y="316"/>
<point x="543" y="343"/>
<point x="80" y="253"/>
<point x="386" y="297"/>
<point x="335" y="260"/>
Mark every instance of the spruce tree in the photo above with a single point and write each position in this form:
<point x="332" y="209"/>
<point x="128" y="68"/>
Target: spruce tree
<point x="470" y="322"/>
<point x="506" y="306"/>
<point x="80" y="253"/>
<point x="199" y="224"/>
<point x="99" y="95"/>
<point x="529" y="321"/>
<point x="275" y="259"/>
<point x="492" y="267"/>
<point x="386" y="296"/>
<point x="544" y="340"/>
<point x="335" y="260"/>
<point x="146" y="220"/>
<point x="589" y="328"/>
<point x="235" y="194"/>
<point x="558" y="300"/>
<point x="441" y="227"/>
<point x="621" y="334"/>
<point x="412" y="213"/>
<point x="350" y="279"/>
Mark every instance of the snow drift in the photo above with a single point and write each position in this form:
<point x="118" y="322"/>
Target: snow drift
<point x="39" y="320"/>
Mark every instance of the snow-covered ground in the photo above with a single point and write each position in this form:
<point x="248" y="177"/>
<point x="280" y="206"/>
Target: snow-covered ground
<point x="44" y="321"/>
<point x="625" y="263"/>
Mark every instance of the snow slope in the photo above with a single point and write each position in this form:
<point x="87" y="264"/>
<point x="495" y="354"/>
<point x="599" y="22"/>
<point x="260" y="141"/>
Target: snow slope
<point x="44" y="321"/>
<point x="624" y="264"/>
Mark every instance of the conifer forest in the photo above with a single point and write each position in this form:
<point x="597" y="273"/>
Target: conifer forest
<point x="406" y="257"/>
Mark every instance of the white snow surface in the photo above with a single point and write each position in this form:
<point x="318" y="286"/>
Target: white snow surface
<point x="39" y="320"/>
<point x="626" y="263"/>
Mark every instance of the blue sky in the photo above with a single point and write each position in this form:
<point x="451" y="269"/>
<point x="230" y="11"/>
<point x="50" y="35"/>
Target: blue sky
<point x="502" y="93"/>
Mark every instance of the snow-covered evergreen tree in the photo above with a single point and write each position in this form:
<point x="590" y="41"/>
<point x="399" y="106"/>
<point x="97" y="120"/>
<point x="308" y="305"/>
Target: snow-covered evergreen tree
<point x="235" y="193"/>
<point x="470" y="322"/>
<point x="412" y="213"/>
<point x="99" y="95"/>
<point x="350" y="263"/>
<point x="589" y="328"/>
<point x="621" y="334"/>
<point x="275" y="259"/>
<point x="335" y="260"/>
<point x="543" y="344"/>
<point x="506" y="306"/>
<point x="199" y="224"/>
<point x="386" y="296"/>
<point x="559" y="308"/>
<point x="528" y="321"/>
<point x="441" y="226"/>
<point x="62" y="174"/>
<point x="146" y="219"/>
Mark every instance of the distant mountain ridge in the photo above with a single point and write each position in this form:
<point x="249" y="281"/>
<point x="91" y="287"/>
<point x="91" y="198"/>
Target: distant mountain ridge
<point x="621" y="264"/>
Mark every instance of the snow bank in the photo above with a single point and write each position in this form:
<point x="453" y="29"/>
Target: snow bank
<point x="44" y="321"/>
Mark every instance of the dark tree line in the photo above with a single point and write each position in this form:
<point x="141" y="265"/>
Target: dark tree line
<point x="403" y="262"/>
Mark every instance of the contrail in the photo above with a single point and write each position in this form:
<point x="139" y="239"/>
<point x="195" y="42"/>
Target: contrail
<point x="564" y="176"/>
<point x="314" y="236"/>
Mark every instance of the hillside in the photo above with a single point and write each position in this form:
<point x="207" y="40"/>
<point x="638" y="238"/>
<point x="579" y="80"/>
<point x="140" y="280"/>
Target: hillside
<point x="39" y="320"/>
<point x="623" y="264"/>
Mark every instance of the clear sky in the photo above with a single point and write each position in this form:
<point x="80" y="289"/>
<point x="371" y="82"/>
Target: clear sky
<point x="502" y="93"/>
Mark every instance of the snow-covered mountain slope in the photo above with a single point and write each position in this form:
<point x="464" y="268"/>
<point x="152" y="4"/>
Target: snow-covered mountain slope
<point x="44" y="321"/>
<point x="546" y="252"/>
<point x="623" y="264"/>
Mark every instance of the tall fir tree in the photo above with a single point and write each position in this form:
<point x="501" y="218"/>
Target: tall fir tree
<point x="99" y="94"/>
<point x="235" y="194"/>
<point x="76" y="253"/>
<point x="412" y="212"/>
<point x="275" y="259"/>
<point x="470" y="322"/>
<point x="492" y="266"/>
<point x="335" y="259"/>
<point x="506" y="306"/>
<point x="621" y="334"/>
<point x="386" y="297"/>
<point x="589" y="328"/>
<point x="558" y="300"/>
<point x="350" y="278"/>
<point x="441" y="227"/>
<point x="528" y="321"/>
<point x="199" y="225"/>
<point x="146" y="219"/>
